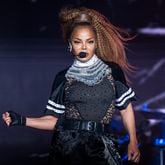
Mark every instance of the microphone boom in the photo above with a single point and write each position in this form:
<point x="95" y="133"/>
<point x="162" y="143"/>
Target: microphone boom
<point x="82" y="55"/>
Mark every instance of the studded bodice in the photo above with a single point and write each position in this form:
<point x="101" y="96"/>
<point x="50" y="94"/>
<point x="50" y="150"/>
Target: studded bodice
<point x="90" y="102"/>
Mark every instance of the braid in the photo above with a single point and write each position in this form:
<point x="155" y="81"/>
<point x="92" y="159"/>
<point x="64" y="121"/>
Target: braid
<point x="67" y="16"/>
<point x="110" y="42"/>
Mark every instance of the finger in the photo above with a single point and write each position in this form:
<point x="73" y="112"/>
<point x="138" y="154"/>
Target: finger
<point x="8" y="123"/>
<point x="137" y="160"/>
<point x="3" y="115"/>
<point x="135" y="156"/>
<point x="6" y="114"/>
<point x="7" y="120"/>
<point x="129" y="155"/>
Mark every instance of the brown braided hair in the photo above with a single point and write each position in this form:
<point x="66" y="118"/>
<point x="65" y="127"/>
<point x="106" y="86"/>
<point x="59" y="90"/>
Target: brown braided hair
<point x="110" y="39"/>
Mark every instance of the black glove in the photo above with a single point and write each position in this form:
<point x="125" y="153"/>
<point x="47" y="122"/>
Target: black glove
<point x="17" y="119"/>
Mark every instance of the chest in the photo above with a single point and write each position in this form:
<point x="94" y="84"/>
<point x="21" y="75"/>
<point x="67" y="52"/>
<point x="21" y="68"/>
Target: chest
<point x="90" y="102"/>
<point x="79" y="92"/>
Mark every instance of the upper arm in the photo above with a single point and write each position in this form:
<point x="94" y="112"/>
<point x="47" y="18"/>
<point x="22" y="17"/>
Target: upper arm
<point x="55" y="105"/>
<point x="124" y="93"/>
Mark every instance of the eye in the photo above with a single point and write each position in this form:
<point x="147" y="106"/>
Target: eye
<point x="76" y="42"/>
<point x="91" y="42"/>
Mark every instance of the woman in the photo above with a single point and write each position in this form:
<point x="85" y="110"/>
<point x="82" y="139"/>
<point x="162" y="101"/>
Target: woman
<point x="85" y="95"/>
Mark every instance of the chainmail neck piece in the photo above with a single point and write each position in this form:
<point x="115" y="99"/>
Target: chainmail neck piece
<point x="91" y="72"/>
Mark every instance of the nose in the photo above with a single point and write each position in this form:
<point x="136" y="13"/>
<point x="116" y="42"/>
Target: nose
<point x="84" y="46"/>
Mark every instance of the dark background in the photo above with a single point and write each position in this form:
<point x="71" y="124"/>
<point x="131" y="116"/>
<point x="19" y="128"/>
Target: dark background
<point x="32" y="52"/>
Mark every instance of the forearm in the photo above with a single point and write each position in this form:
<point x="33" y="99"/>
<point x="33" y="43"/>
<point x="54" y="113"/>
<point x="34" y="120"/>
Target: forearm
<point x="129" y="122"/>
<point x="44" y="123"/>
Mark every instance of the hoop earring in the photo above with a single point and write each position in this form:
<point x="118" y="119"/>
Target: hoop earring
<point x="70" y="47"/>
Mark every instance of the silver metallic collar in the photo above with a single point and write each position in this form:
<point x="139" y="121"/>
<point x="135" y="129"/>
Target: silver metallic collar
<point x="91" y="72"/>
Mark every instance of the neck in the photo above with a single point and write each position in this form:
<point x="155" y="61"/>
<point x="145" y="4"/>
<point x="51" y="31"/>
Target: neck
<point x="90" y="62"/>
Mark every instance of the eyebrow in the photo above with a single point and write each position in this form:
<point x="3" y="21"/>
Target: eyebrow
<point x="87" y="39"/>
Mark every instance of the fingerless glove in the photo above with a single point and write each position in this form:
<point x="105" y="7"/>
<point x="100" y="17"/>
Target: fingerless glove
<point x="17" y="119"/>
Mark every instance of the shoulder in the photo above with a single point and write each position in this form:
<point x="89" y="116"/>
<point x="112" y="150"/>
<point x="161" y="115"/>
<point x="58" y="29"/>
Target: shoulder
<point x="61" y="74"/>
<point x="117" y="72"/>
<point x="60" y="77"/>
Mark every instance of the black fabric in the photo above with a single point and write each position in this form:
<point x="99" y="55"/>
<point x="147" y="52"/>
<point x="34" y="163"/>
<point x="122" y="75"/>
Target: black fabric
<point x="57" y="92"/>
<point x="79" y="148"/>
<point x="58" y="88"/>
<point x="117" y="72"/>
<point x="82" y="146"/>
<point x="121" y="90"/>
<point x="60" y="77"/>
<point x="121" y="85"/>
<point x="91" y="102"/>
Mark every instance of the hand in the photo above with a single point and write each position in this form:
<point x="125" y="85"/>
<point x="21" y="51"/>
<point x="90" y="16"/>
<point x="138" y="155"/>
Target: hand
<point x="133" y="152"/>
<point x="12" y="118"/>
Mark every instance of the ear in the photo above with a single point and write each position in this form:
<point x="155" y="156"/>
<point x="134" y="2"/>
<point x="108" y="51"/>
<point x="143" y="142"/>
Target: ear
<point x="70" y="47"/>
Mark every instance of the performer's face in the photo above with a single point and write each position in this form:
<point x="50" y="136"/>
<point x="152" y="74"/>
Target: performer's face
<point x="83" y="39"/>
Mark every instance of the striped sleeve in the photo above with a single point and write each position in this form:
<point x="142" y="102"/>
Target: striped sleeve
<point x="54" y="109"/>
<point x="55" y="105"/>
<point x="124" y="93"/>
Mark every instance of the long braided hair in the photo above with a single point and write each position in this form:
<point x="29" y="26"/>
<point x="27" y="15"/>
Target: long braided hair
<point x="110" y="39"/>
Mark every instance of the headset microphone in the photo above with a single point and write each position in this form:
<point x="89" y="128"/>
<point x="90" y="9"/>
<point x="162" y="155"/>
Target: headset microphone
<point x="82" y="54"/>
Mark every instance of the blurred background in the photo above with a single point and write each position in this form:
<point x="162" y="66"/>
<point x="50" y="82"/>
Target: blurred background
<point x="32" y="52"/>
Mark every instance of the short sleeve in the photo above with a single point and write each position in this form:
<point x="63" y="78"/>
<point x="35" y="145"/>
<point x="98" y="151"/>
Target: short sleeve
<point x="124" y="93"/>
<point x="55" y="105"/>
